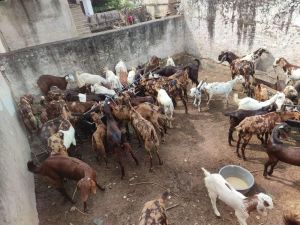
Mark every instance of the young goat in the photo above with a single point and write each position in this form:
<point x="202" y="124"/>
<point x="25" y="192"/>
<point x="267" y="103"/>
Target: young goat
<point x="154" y="211"/>
<point x="145" y="131"/>
<point x="218" y="187"/>
<point x="277" y="151"/>
<point x="167" y="103"/>
<point x="58" y="167"/>
<point x="292" y="72"/>
<point x="98" y="137"/>
<point x="196" y="92"/>
<point x="221" y="88"/>
<point x="260" y="125"/>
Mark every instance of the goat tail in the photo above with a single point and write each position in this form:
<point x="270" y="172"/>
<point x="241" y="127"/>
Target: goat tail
<point x="291" y="220"/>
<point x="236" y="98"/>
<point x="32" y="167"/>
<point x="206" y="173"/>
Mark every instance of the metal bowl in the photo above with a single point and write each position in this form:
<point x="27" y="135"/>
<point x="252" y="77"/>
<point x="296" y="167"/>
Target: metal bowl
<point x="239" y="172"/>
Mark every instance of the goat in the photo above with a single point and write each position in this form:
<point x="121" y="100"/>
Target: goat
<point x="99" y="89"/>
<point x="291" y="219"/>
<point x="196" y="92"/>
<point x="112" y="79"/>
<point x="182" y="76"/>
<point x="170" y="62"/>
<point x="292" y="72"/>
<point x="89" y="79"/>
<point x="277" y="151"/>
<point x="168" y="107"/>
<point x="237" y="116"/>
<point x="98" y="137"/>
<point x="45" y="82"/>
<point x="167" y="71"/>
<point x="260" y="125"/>
<point x="58" y="167"/>
<point x="61" y="141"/>
<point x="221" y="88"/>
<point x="218" y="187"/>
<point x="252" y="57"/>
<point x="145" y="131"/>
<point x="32" y="123"/>
<point x="291" y="93"/>
<point x="248" y="103"/>
<point x="152" y="64"/>
<point x="154" y="211"/>
<point x="131" y="76"/>
<point x="260" y="93"/>
<point x="121" y="72"/>
<point x="79" y="97"/>
<point x="193" y="70"/>
<point x="80" y="107"/>
<point x="113" y="137"/>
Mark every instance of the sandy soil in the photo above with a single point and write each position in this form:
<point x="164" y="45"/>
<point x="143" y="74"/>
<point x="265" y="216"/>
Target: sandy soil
<point x="198" y="140"/>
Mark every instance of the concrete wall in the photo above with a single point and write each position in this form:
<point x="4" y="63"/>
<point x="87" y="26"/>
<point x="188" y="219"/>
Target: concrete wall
<point x="134" y="45"/>
<point x="17" y="196"/>
<point x="242" y="26"/>
<point x="28" y="23"/>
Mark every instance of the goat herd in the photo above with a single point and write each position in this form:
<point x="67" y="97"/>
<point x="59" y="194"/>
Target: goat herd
<point x="101" y="108"/>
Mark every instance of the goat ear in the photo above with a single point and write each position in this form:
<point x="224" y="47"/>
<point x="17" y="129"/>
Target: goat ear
<point x="266" y="204"/>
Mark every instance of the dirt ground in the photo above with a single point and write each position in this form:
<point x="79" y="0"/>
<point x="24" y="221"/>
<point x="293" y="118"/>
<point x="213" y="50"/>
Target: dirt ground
<point x="197" y="140"/>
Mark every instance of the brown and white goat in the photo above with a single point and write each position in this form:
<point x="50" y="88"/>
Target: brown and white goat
<point x="292" y="71"/>
<point x="260" y="93"/>
<point x="58" y="167"/>
<point x="45" y="82"/>
<point x="31" y="122"/>
<point x="146" y="131"/>
<point x="154" y="211"/>
<point x="260" y="125"/>
<point x="80" y="107"/>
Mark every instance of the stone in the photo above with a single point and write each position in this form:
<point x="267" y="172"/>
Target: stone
<point x="97" y="221"/>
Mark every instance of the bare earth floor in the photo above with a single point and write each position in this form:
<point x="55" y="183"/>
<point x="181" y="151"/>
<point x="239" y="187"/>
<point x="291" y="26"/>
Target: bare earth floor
<point x="198" y="140"/>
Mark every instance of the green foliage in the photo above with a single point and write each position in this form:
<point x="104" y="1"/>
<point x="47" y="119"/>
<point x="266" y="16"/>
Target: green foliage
<point x="107" y="5"/>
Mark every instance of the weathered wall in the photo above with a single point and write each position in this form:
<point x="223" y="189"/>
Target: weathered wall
<point x="134" y="44"/>
<point x="17" y="197"/>
<point x="31" y="22"/>
<point x="242" y="26"/>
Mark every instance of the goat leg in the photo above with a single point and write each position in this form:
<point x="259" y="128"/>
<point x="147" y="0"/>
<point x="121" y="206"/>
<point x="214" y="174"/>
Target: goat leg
<point x="157" y="154"/>
<point x="100" y="187"/>
<point x="184" y="102"/>
<point x="150" y="161"/>
<point x="246" y="141"/>
<point x="270" y="172"/>
<point x="238" y="145"/>
<point x="230" y="138"/>
<point x="63" y="191"/>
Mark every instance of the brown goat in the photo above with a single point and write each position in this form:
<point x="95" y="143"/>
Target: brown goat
<point x="58" y="167"/>
<point x="146" y="131"/>
<point x="80" y="107"/>
<point x="56" y="144"/>
<point x="152" y="64"/>
<point x="98" y="137"/>
<point x="32" y="123"/>
<point x="260" y="125"/>
<point x="45" y="82"/>
<point x="277" y="151"/>
<point x="291" y="219"/>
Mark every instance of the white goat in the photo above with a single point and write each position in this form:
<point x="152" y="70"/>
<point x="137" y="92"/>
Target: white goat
<point x="112" y="79"/>
<point x="69" y="137"/>
<point x="120" y="67"/>
<point x="88" y="78"/>
<point x="221" y="88"/>
<point x="170" y="62"/>
<point x="131" y="76"/>
<point x="196" y="92"/>
<point x="153" y="75"/>
<point x="164" y="99"/>
<point x="218" y="187"/>
<point x="248" y="103"/>
<point x="99" y="89"/>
